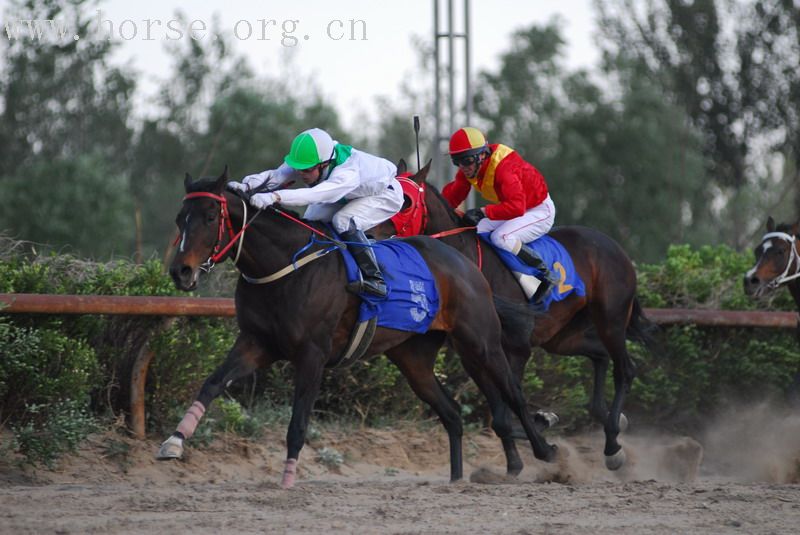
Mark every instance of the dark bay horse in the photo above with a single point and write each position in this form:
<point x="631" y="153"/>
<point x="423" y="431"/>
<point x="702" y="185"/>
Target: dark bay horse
<point x="778" y="264"/>
<point x="595" y="325"/>
<point x="306" y="317"/>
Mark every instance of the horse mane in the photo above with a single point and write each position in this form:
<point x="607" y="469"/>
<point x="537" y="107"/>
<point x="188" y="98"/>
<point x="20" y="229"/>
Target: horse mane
<point x="784" y="227"/>
<point x="448" y="209"/>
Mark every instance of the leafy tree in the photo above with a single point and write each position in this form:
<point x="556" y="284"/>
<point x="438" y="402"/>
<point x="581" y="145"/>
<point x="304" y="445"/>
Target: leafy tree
<point x="623" y="159"/>
<point x="732" y="66"/>
<point x="65" y="135"/>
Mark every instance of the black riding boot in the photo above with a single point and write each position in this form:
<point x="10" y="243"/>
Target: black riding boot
<point x="373" y="282"/>
<point x="530" y="257"/>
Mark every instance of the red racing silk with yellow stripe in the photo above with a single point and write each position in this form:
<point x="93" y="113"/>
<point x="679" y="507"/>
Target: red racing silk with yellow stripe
<point x="505" y="179"/>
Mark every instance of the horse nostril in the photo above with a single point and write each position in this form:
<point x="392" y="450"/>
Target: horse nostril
<point x="753" y="281"/>
<point x="180" y="273"/>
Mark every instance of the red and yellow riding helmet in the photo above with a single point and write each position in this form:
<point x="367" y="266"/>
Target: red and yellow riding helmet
<point x="467" y="141"/>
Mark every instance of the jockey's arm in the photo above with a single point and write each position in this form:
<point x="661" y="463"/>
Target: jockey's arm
<point x="456" y="191"/>
<point x="272" y="177"/>
<point x="342" y="181"/>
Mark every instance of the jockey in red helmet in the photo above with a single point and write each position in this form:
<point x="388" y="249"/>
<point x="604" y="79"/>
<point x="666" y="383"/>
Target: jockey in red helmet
<point x="521" y="209"/>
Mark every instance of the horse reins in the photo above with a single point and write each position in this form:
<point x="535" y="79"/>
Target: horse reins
<point x="219" y="252"/>
<point x="405" y="222"/>
<point x="793" y="257"/>
<point x="459" y="230"/>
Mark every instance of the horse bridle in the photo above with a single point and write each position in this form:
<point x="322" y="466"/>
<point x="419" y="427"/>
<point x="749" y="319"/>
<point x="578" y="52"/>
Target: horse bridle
<point x="219" y="252"/>
<point x="793" y="258"/>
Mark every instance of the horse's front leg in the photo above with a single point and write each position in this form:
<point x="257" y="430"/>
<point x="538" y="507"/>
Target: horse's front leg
<point x="308" y="368"/>
<point x="245" y="356"/>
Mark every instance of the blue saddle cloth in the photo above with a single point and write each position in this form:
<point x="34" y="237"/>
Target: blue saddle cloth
<point x="557" y="259"/>
<point x="413" y="299"/>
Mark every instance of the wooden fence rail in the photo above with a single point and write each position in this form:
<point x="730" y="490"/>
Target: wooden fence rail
<point x="203" y="306"/>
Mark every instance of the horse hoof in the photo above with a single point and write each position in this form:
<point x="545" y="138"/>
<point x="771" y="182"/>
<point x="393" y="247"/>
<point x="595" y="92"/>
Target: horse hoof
<point x="552" y="454"/>
<point x="623" y="422"/>
<point x="514" y="470"/>
<point x="547" y="418"/>
<point x="172" y="448"/>
<point x="615" y="462"/>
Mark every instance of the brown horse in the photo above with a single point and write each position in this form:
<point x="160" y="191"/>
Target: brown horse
<point x="778" y="264"/>
<point x="306" y="317"/>
<point x="595" y="325"/>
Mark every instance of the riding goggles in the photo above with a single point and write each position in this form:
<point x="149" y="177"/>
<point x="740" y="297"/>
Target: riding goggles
<point x="465" y="161"/>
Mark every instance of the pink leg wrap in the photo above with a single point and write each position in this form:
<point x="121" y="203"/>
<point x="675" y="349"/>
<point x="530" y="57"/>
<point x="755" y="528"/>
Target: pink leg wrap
<point x="289" y="473"/>
<point x="191" y="419"/>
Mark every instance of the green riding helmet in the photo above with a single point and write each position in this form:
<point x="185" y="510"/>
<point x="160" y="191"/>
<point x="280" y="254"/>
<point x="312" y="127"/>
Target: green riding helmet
<point x="310" y="148"/>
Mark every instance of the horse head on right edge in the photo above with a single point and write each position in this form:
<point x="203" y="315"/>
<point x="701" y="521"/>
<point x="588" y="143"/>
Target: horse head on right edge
<point x="777" y="261"/>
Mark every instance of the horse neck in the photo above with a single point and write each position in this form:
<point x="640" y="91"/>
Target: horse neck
<point x="442" y="218"/>
<point x="270" y="241"/>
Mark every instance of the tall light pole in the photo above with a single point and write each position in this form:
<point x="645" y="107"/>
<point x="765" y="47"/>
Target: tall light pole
<point x="442" y="167"/>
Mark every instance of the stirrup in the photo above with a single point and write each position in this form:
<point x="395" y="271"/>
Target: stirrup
<point x="545" y="287"/>
<point x="378" y="289"/>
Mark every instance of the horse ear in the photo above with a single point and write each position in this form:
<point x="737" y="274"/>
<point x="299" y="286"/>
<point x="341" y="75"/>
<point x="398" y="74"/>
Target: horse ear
<point x="221" y="181"/>
<point x="402" y="167"/>
<point x="770" y="224"/>
<point x="422" y="174"/>
<point x="187" y="182"/>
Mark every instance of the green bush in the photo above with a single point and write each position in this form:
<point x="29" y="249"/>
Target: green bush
<point x="42" y="365"/>
<point x="51" y="430"/>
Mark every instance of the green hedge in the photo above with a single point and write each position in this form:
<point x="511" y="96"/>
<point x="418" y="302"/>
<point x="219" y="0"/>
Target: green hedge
<point x="52" y="360"/>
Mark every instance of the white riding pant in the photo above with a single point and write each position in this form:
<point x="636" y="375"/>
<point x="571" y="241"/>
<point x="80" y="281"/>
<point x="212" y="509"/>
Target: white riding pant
<point x="365" y="212"/>
<point x="512" y="234"/>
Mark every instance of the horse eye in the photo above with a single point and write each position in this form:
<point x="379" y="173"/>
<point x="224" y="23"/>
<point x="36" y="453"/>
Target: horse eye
<point x="211" y="216"/>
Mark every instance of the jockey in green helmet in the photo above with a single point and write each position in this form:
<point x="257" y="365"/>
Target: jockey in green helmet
<point x="349" y="188"/>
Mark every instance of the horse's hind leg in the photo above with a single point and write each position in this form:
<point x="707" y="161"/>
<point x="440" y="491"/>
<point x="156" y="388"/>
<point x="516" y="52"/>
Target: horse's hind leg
<point x="244" y="357"/>
<point x="501" y="422"/>
<point x="415" y="358"/>
<point x="486" y="363"/>
<point x="612" y="333"/>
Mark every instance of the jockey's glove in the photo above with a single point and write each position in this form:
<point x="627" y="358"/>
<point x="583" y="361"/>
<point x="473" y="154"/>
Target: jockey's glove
<point x="237" y="186"/>
<point x="264" y="200"/>
<point x="472" y="216"/>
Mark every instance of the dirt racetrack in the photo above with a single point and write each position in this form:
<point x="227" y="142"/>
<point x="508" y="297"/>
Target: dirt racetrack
<point x="742" y="479"/>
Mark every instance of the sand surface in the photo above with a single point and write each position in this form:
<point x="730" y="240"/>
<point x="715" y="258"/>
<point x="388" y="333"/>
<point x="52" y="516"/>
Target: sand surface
<point x="738" y="477"/>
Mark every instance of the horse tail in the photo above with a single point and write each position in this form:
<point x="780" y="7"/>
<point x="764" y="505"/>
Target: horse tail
<point x="517" y="319"/>
<point x="642" y="330"/>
